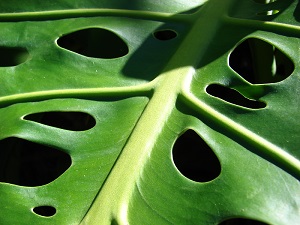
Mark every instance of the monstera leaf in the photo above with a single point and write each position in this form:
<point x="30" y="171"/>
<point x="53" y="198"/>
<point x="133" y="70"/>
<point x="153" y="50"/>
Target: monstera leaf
<point x="154" y="112"/>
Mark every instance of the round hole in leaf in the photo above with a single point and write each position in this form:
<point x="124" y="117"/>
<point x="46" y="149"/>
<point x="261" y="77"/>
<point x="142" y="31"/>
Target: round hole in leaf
<point x="74" y="121"/>
<point x="242" y="221"/>
<point x="165" y="35"/>
<point x="94" y="42"/>
<point x="259" y="62"/>
<point x="194" y="158"/>
<point x="230" y="95"/>
<point x="12" y="56"/>
<point x="30" y="164"/>
<point x="45" y="210"/>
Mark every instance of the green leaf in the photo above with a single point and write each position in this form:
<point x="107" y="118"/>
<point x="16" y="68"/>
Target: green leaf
<point x="177" y="137"/>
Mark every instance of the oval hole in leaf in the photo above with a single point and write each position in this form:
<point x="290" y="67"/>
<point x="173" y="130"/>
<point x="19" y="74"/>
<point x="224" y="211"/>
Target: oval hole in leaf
<point x="230" y="95"/>
<point x="12" y="56"/>
<point x="94" y="42"/>
<point x="45" y="210"/>
<point x="242" y="221"/>
<point x="30" y="164"/>
<point x="165" y="35"/>
<point x="74" y="121"/>
<point x="194" y="158"/>
<point x="259" y="62"/>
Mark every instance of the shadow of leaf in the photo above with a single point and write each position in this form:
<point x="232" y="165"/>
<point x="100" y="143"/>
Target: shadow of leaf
<point x="151" y="58"/>
<point x="297" y="12"/>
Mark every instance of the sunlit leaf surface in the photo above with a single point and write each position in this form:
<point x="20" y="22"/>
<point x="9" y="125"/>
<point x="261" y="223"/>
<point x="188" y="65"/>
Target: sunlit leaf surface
<point x="150" y="112"/>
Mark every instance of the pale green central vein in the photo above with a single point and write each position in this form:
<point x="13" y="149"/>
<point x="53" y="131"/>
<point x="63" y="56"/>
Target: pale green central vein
<point x="75" y="13"/>
<point x="114" y="198"/>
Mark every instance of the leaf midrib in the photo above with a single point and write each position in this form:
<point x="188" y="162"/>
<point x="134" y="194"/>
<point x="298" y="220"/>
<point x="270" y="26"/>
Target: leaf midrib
<point x="114" y="197"/>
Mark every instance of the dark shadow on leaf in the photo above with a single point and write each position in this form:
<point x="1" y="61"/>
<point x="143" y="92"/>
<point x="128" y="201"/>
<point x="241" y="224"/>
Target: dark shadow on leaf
<point x="151" y="58"/>
<point x="148" y="61"/>
<point x="297" y="12"/>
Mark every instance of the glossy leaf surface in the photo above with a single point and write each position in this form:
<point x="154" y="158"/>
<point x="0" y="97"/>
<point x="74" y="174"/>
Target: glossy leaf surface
<point x="147" y="99"/>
